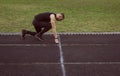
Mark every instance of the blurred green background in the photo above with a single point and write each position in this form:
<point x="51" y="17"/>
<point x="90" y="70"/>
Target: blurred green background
<point x="80" y="15"/>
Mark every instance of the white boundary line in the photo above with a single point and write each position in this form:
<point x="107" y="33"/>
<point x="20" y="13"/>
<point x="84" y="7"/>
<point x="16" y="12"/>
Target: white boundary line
<point x="66" y="33"/>
<point x="61" y="57"/>
<point x="26" y="63"/>
<point x="92" y="63"/>
<point x="68" y="63"/>
<point x="44" y="45"/>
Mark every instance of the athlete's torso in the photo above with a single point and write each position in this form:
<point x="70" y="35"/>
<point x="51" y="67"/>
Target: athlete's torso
<point x="43" y="17"/>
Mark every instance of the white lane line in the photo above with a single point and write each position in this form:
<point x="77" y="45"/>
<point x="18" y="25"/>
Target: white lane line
<point x="44" y="45"/>
<point x="68" y="33"/>
<point x="25" y="63"/>
<point x="61" y="57"/>
<point x="28" y="45"/>
<point x="93" y="63"/>
<point x="68" y="63"/>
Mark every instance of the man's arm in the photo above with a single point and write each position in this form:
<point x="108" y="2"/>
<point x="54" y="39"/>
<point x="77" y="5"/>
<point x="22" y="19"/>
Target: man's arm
<point x="52" y="17"/>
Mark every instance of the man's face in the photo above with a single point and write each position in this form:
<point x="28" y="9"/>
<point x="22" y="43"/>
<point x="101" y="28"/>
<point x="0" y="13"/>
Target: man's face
<point x="59" y="17"/>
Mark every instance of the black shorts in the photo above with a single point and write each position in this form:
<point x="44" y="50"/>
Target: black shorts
<point x="39" y="25"/>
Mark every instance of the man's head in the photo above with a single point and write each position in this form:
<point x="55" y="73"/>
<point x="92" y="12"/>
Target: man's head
<point x="60" y="16"/>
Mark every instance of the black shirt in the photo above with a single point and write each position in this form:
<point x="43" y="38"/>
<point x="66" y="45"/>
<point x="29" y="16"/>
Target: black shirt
<point x="43" y="17"/>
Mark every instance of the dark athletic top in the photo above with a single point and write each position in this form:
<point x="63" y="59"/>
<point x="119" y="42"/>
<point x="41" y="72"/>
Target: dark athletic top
<point x="44" y="17"/>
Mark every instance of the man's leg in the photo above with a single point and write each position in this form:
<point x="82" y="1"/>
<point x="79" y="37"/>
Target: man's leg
<point x="37" y="28"/>
<point x="46" y="27"/>
<point x="24" y="32"/>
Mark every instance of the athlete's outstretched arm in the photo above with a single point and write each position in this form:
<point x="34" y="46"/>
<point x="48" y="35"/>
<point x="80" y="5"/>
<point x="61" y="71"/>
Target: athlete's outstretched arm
<point x="52" y="17"/>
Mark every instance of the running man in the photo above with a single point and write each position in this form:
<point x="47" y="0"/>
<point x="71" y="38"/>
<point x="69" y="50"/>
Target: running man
<point x="42" y="23"/>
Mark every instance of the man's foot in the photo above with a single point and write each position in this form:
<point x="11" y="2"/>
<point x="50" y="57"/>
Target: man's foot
<point x="39" y="37"/>
<point x="23" y="34"/>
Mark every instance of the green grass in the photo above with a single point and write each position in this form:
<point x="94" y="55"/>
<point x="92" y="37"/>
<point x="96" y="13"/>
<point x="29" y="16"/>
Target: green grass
<point x="80" y="15"/>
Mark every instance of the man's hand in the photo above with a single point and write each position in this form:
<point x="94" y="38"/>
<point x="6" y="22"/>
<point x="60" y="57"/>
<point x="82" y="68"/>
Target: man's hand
<point x="56" y="40"/>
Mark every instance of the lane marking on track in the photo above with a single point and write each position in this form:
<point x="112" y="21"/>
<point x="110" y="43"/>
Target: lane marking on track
<point x="28" y="45"/>
<point x="68" y="63"/>
<point x="61" y="57"/>
<point x="65" y="44"/>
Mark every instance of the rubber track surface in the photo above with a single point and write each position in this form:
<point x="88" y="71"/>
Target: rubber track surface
<point x="85" y="54"/>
